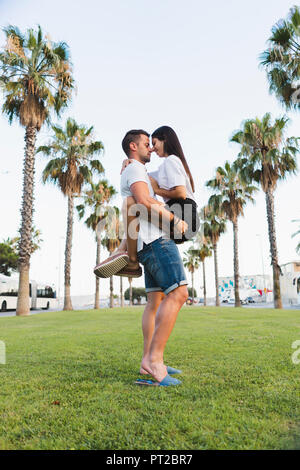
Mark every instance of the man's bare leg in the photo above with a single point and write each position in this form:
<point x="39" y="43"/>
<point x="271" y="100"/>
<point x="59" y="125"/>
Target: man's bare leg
<point x="154" y="300"/>
<point x="164" y="324"/>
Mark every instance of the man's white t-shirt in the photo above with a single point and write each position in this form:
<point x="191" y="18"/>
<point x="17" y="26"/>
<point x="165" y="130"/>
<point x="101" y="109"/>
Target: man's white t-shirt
<point x="171" y="173"/>
<point x="133" y="173"/>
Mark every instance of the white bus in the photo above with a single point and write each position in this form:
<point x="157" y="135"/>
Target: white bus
<point x="40" y="295"/>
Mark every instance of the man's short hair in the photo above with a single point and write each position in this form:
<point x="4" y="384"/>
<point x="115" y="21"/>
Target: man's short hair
<point x="132" y="136"/>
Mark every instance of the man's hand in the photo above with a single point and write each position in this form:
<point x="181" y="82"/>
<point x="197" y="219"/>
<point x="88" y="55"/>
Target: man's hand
<point x="125" y="164"/>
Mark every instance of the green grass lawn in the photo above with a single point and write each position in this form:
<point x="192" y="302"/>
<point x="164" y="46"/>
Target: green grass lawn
<point x="240" y="389"/>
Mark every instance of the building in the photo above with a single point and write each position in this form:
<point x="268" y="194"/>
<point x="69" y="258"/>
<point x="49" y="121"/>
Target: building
<point x="257" y="286"/>
<point x="290" y="283"/>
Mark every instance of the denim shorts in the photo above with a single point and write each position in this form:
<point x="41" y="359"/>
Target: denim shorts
<point x="163" y="267"/>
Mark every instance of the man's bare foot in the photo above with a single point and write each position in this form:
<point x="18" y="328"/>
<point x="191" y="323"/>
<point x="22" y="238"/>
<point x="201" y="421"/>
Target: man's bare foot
<point x="143" y="371"/>
<point x="157" y="370"/>
<point x="145" y="366"/>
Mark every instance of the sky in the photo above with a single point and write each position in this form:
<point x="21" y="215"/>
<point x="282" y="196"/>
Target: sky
<point x="192" y="65"/>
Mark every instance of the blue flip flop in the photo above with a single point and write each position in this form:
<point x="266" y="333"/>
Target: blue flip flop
<point x="166" y="382"/>
<point x="145" y="382"/>
<point x="170" y="371"/>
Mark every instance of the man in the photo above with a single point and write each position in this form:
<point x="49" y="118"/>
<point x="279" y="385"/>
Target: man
<point x="165" y="279"/>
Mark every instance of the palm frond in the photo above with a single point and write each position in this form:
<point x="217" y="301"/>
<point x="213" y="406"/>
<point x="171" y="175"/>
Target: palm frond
<point x="265" y="154"/>
<point x="97" y="165"/>
<point x="282" y="60"/>
<point x="72" y="165"/>
<point x="36" y="78"/>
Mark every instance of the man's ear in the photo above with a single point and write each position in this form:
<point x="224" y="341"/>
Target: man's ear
<point x="133" y="146"/>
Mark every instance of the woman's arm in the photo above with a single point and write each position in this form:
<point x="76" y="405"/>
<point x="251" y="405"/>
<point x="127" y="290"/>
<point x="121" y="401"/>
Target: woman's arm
<point x="178" y="192"/>
<point x="125" y="164"/>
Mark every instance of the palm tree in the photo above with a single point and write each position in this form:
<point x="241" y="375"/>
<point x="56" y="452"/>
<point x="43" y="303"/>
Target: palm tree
<point x="191" y="262"/>
<point x="120" y="238"/>
<point x="121" y="292"/>
<point x="130" y="291"/>
<point x="282" y="60"/>
<point x="231" y="195"/>
<point x="202" y="251"/>
<point x="266" y="157"/>
<point x="95" y="197"/>
<point x="36" y="79"/>
<point x="73" y="164"/>
<point x="111" y="241"/>
<point x="213" y="226"/>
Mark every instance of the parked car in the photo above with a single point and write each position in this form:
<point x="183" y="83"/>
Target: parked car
<point x="190" y="301"/>
<point x="231" y="301"/>
<point x="250" y="300"/>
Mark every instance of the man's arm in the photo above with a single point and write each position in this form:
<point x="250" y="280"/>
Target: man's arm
<point x="162" y="218"/>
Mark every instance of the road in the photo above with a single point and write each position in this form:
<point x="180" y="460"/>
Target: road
<point x="12" y="313"/>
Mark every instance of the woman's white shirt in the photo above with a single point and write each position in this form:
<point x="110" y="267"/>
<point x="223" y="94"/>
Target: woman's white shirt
<point x="171" y="173"/>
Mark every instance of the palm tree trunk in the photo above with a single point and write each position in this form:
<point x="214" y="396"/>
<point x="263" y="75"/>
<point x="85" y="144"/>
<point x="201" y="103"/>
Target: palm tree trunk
<point x="130" y="290"/>
<point x="204" y="283"/>
<point x="68" y="252"/>
<point x="236" y="265"/>
<point x="97" y="290"/>
<point x="23" y="306"/>
<point x="192" y="286"/>
<point x="121" y="292"/>
<point x="273" y="248"/>
<point x="111" y="288"/>
<point x="216" y="275"/>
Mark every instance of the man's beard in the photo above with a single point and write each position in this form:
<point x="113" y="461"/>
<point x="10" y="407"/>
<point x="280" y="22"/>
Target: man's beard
<point x="146" y="159"/>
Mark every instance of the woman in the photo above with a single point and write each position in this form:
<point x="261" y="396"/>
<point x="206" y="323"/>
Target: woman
<point x="172" y="181"/>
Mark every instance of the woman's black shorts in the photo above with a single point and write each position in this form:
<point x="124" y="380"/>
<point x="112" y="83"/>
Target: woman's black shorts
<point x="185" y="209"/>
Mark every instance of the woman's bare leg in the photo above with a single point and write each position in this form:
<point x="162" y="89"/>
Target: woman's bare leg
<point x="132" y="251"/>
<point x="131" y="230"/>
<point x="122" y="246"/>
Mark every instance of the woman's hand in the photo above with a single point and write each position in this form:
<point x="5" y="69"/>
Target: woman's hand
<point x="180" y="227"/>
<point x="125" y="164"/>
<point x="154" y="185"/>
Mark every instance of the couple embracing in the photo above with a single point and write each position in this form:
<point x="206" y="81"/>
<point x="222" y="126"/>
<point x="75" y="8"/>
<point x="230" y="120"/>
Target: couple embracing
<point x="153" y="229"/>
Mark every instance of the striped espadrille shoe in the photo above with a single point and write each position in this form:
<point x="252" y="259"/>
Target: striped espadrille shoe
<point x="126" y="272"/>
<point x="112" y="265"/>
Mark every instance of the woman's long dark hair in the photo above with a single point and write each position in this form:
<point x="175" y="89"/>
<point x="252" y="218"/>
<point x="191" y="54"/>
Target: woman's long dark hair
<point x="172" y="147"/>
